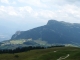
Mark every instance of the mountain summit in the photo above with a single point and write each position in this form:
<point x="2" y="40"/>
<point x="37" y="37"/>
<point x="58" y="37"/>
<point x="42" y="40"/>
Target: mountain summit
<point x="54" y="32"/>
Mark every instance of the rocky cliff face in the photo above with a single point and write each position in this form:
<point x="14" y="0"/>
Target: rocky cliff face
<point x="53" y="32"/>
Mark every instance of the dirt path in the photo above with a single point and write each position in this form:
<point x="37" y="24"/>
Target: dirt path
<point x="63" y="57"/>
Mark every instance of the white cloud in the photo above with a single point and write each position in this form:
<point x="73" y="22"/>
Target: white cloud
<point x="71" y="10"/>
<point x="14" y="2"/>
<point x="5" y="1"/>
<point x="73" y="1"/>
<point x="54" y="9"/>
<point x="9" y="10"/>
<point x="26" y="8"/>
<point x="69" y="13"/>
<point x="2" y="12"/>
<point x="36" y="3"/>
<point x="47" y="14"/>
<point x="2" y="8"/>
<point x="8" y="2"/>
<point x="74" y="10"/>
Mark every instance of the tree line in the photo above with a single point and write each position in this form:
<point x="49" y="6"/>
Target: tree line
<point x="22" y="49"/>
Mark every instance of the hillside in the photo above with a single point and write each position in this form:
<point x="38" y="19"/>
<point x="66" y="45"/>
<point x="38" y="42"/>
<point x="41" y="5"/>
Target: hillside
<point x="71" y="53"/>
<point x="54" y="32"/>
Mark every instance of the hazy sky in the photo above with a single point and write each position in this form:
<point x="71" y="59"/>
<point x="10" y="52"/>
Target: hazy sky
<point x="24" y="11"/>
<point x="26" y="14"/>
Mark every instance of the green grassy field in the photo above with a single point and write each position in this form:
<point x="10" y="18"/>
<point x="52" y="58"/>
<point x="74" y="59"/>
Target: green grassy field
<point x="45" y="54"/>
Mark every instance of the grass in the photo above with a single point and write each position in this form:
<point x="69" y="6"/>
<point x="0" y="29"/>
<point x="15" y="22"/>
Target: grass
<point x="44" y="54"/>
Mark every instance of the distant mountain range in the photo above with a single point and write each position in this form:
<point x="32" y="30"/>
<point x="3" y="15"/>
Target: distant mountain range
<point x="54" y="32"/>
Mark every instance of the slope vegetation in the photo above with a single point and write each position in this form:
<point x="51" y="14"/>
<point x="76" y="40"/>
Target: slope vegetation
<point x="69" y="53"/>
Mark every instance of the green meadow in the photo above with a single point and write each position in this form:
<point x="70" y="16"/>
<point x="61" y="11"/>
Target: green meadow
<point x="57" y="53"/>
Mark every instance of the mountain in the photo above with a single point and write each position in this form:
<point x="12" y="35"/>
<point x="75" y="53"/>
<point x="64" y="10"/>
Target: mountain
<point x="54" y="32"/>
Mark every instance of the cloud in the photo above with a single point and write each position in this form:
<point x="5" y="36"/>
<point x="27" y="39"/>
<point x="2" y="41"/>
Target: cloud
<point x="69" y="13"/>
<point x="14" y="2"/>
<point x="8" y="2"/>
<point x="8" y="10"/>
<point x="47" y="14"/>
<point x="11" y="11"/>
<point x="25" y="8"/>
<point x="14" y="11"/>
<point x="36" y="3"/>
<point x="72" y="9"/>
<point x="41" y="9"/>
<point x="5" y="1"/>
<point x="73" y="0"/>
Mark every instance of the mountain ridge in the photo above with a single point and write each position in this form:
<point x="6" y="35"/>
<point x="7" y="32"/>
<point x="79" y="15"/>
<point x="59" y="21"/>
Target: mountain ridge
<point x="53" y="32"/>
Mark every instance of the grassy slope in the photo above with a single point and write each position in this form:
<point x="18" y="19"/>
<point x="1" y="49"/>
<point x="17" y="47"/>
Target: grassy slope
<point x="45" y="54"/>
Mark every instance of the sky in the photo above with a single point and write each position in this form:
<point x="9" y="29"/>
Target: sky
<point x="27" y="14"/>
